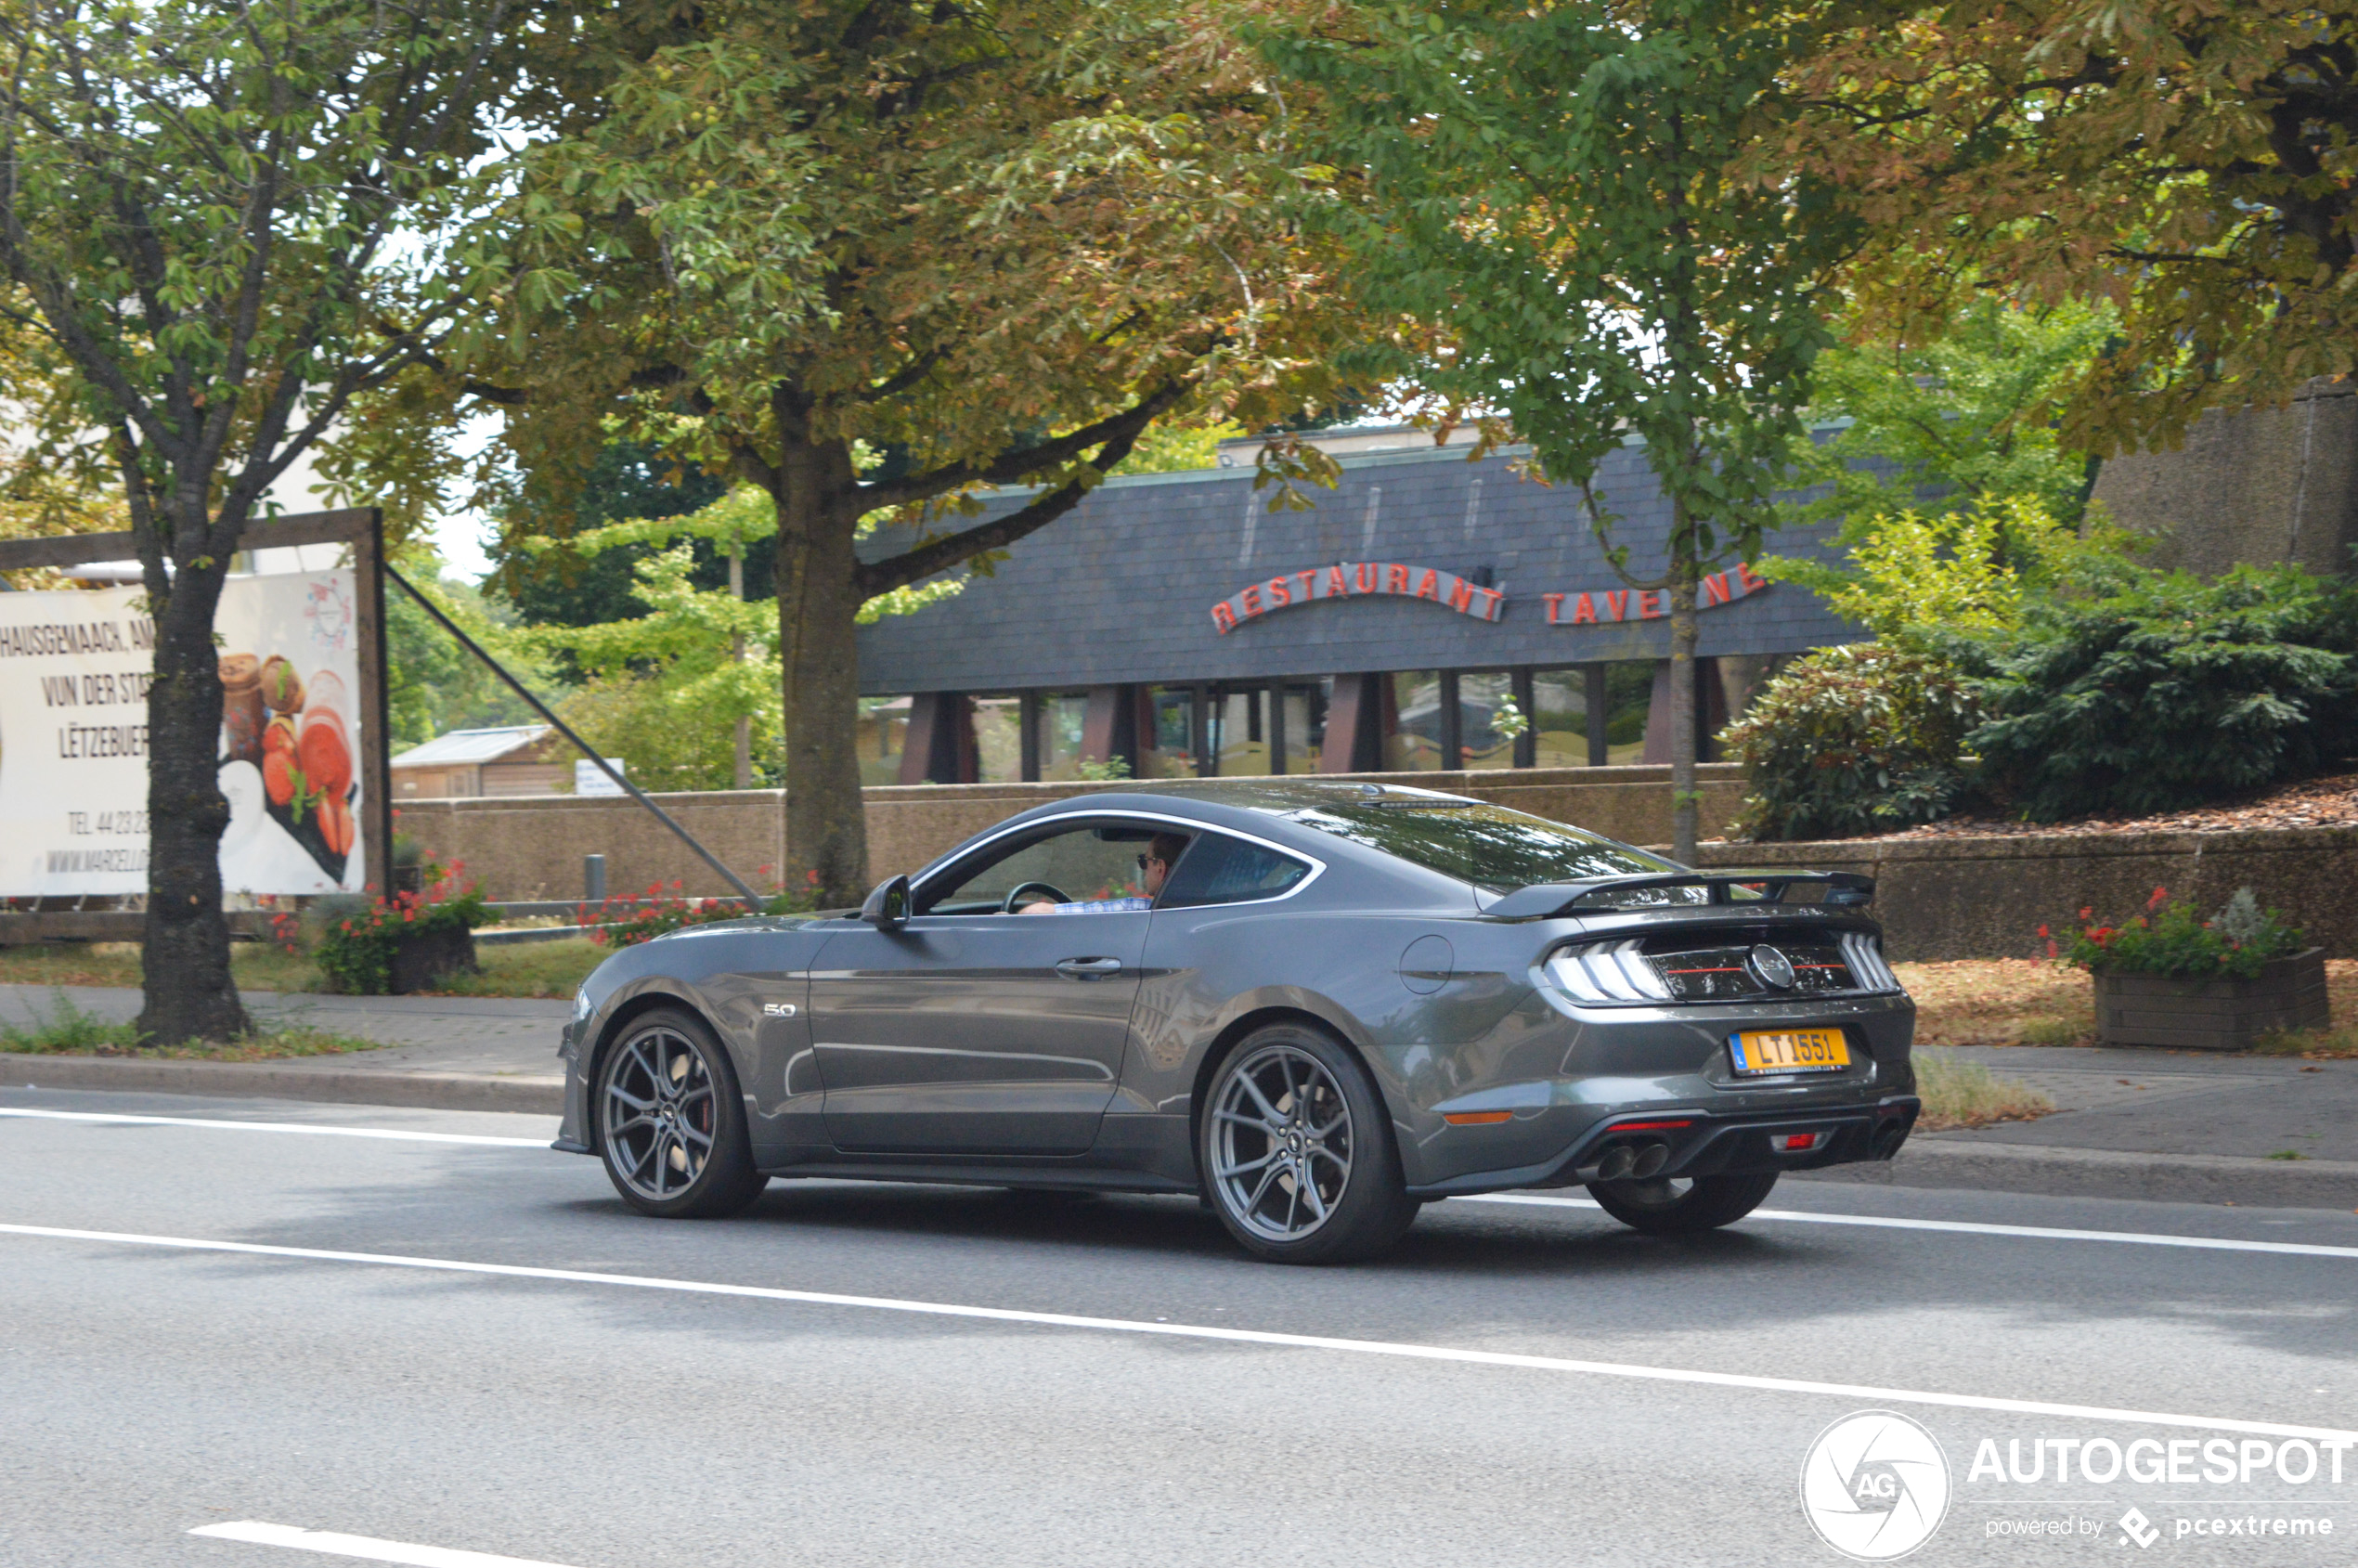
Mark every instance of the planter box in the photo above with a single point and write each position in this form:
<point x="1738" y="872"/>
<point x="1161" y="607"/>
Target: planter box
<point x="420" y="960"/>
<point x="2222" y="1015"/>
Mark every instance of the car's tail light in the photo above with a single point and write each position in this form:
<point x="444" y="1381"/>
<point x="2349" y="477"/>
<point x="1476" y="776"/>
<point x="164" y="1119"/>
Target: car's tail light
<point x="1867" y="970"/>
<point x="1608" y="972"/>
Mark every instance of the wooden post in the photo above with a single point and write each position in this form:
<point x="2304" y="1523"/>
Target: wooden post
<point x="376" y="712"/>
<point x="1598" y="696"/>
<point x="1450" y="710"/>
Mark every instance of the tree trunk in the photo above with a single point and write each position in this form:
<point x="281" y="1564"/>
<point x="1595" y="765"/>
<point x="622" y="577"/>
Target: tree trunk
<point x="738" y="651"/>
<point x="1683" y="798"/>
<point x="816" y="492"/>
<point x="186" y="990"/>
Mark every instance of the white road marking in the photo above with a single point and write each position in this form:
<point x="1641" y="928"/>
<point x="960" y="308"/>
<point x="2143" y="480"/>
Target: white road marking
<point x="1793" y="1216"/>
<point x="1853" y="1392"/>
<point x="1972" y="1227"/>
<point x="396" y="1133"/>
<point x="364" y="1546"/>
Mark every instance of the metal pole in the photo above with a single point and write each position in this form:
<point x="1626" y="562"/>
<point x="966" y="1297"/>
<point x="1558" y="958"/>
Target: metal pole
<point x="753" y="900"/>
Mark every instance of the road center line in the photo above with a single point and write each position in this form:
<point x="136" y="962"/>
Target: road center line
<point x="1854" y="1391"/>
<point x="399" y="1134"/>
<point x="364" y="1546"/>
<point x="1974" y="1227"/>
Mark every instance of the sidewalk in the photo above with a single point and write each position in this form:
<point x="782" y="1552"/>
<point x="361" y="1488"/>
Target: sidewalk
<point x="2161" y="1125"/>
<point x="455" y="1053"/>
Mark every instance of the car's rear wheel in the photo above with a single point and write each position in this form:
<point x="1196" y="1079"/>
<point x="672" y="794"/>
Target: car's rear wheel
<point x="671" y="1124"/>
<point x="1671" y="1206"/>
<point x="1296" y="1151"/>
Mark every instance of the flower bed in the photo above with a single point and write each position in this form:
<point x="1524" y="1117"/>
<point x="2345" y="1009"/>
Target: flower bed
<point x="2169" y="977"/>
<point x="405" y="942"/>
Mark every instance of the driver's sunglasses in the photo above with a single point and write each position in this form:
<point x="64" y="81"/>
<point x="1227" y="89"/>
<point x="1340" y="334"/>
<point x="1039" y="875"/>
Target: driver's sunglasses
<point x="1144" y="859"/>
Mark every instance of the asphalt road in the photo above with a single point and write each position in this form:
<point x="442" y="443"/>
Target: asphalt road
<point x="785" y="1389"/>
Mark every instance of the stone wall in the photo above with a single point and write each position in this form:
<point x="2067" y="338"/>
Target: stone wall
<point x="531" y="847"/>
<point x="1986" y="898"/>
<point x="2257" y="486"/>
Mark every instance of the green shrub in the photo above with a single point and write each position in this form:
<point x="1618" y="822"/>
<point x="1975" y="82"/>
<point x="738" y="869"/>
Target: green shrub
<point x="355" y="951"/>
<point x="2169" y="694"/>
<point x="1849" y="741"/>
<point x="2170" y="939"/>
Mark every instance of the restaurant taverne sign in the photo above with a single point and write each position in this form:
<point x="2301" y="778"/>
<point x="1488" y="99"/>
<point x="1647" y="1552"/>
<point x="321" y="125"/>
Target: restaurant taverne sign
<point x="1349" y="579"/>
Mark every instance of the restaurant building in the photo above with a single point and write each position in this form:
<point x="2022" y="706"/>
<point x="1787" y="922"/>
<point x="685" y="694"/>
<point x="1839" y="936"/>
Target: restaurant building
<point x="1180" y="626"/>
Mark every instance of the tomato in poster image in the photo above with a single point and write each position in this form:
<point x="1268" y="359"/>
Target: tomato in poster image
<point x="279" y="737"/>
<point x="277" y="776"/>
<point x="323" y="753"/>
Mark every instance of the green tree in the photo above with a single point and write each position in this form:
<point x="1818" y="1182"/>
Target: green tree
<point x="432" y="685"/>
<point x="626" y="481"/>
<point x="1559" y="187"/>
<point x="2194" y="165"/>
<point x="997" y="240"/>
<point x="220" y="219"/>
<point x="1970" y="414"/>
<point x="697" y="654"/>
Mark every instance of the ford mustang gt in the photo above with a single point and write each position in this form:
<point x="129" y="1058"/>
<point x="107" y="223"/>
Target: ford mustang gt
<point x="1315" y="1004"/>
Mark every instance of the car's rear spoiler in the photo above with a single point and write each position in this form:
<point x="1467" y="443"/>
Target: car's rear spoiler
<point x="1845" y="890"/>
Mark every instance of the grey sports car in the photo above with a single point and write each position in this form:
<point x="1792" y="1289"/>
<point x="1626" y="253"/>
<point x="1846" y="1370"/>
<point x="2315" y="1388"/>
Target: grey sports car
<point x="1317" y="1005"/>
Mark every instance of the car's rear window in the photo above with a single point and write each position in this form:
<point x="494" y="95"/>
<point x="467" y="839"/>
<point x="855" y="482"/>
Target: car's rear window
<point x="1488" y="846"/>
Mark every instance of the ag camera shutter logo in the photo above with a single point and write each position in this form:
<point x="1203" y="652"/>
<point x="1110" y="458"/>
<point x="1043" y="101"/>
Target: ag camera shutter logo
<point x="1875" y="1487"/>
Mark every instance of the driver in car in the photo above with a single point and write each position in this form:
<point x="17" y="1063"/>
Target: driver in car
<point x="1154" y="866"/>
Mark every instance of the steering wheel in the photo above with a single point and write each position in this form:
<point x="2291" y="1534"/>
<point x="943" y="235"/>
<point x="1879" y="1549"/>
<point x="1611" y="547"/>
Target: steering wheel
<point x="1020" y="896"/>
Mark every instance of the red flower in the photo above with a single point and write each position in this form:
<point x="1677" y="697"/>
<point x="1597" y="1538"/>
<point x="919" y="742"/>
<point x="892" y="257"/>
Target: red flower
<point x="2042" y="931"/>
<point x="2160" y="894"/>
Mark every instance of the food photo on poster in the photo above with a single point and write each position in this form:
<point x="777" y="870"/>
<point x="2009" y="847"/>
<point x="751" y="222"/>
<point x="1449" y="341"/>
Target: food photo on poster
<point x="74" y="774"/>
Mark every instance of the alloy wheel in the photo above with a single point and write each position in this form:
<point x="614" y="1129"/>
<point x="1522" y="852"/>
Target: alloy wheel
<point x="659" y="1112"/>
<point x="1281" y="1144"/>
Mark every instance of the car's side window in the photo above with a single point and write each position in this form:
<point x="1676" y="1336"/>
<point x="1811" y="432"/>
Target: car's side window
<point x="1080" y="864"/>
<point x="1221" y="870"/>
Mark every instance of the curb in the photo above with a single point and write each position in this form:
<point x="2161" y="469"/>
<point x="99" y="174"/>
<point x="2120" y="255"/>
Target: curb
<point x="436" y="1091"/>
<point x="2102" y="1173"/>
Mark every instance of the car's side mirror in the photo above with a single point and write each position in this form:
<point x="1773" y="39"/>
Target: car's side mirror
<point x="888" y="907"/>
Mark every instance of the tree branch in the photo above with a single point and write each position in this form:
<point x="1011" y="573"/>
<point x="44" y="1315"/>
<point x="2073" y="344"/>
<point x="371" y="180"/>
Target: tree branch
<point x="915" y="565"/>
<point x="1009" y="468"/>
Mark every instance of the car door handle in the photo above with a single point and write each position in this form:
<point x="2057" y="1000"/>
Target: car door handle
<point x="1089" y="969"/>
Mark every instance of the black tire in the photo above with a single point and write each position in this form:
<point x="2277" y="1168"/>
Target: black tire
<point x="671" y="1122"/>
<point x="1659" y="1208"/>
<point x="1334" y="1126"/>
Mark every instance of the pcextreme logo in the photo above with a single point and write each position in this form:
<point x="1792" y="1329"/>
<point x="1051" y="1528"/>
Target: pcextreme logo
<point x="1874" y="1486"/>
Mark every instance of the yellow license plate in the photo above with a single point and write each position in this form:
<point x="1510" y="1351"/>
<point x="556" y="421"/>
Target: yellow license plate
<point x="1789" y="1050"/>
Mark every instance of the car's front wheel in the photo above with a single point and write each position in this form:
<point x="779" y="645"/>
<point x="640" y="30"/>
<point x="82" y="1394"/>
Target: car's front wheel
<point x="1297" y="1153"/>
<point x="1665" y="1206"/>
<point x="671" y="1124"/>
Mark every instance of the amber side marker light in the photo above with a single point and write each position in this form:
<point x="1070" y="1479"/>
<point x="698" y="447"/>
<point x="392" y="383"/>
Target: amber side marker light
<point x="1476" y="1118"/>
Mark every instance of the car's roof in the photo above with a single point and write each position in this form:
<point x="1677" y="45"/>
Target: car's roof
<point x="1281" y="792"/>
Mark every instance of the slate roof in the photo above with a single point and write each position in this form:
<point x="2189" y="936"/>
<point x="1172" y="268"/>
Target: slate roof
<point x="1120" y="588"/>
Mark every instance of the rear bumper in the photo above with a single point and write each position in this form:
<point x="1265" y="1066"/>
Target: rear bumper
<point x="1710" y="1145"/>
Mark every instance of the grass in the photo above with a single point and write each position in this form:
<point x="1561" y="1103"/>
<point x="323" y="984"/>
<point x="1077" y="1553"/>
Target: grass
<point x="67" y="1030"/>
<point x="2317" y="1045"/>
<point x="2287" y="1154"/>
<point x="554" y="969"/>
<point x="1958" y="1094"/>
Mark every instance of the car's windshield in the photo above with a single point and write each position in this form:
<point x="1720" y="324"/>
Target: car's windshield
<point x="1488" y="846"/>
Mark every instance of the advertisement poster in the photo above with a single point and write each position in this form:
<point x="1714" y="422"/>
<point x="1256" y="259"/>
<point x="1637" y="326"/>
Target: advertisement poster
<point x="73" y="738"/>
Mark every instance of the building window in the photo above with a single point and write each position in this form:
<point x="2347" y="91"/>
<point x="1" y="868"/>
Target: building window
<point x="1412" y="721"/>
<point x="1063" y="716"/>
<point x="884" y="731"/>
<point x="1240" y="737"/>
<point x="998" y="739"/>
<point x="1480" y="695"/>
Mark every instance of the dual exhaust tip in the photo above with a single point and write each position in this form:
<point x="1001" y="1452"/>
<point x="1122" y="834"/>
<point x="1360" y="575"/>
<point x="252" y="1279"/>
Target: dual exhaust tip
<point x="1633" y="1162"/>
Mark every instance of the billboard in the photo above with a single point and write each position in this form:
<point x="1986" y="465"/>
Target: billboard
<point x="74" y="671"/>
